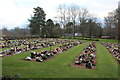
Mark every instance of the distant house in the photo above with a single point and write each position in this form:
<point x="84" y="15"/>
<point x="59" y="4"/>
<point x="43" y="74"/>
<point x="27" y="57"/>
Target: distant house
<point x="71" y="34"/>
<point x="78" y="34"/>
<point x="105" y="37"/>
<point x="68" y="34"/>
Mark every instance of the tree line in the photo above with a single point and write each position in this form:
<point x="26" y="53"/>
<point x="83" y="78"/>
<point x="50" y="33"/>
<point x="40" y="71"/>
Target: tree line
<point x="112" y="24"/>
<point x="70" y="20"/>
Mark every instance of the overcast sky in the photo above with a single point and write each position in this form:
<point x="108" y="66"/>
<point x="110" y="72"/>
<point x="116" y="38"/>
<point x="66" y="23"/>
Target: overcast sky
<point x="17" y="12"/>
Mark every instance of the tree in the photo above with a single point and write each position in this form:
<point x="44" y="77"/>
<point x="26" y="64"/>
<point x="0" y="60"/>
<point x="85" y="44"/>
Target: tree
<point x="6" y="34"/>
<point x="82" y="17"/>
<point x="68" y="14"/>
<point x="73" y="13"/>
<point x="57" y="30"/>
<point x="62" y="14"/>
<point x="110" y="24"/>
<point x="20" y="32"/>
<point x="93" y="27"/>
<point x="69" y="27"/>
<point x="37" y="21"/>
<point x="49" y="28"/>
<point x="118" y="19"/>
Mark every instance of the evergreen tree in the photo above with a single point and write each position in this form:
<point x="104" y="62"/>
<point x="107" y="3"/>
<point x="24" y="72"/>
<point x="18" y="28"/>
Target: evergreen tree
<point x="49" y="28"/>
<point x="37" y="21"/>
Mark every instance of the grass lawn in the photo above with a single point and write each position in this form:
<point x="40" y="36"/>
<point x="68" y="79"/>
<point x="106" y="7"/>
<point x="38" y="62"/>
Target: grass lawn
<point x="101" y="40"/>
<point x="59" y="66"/>
<point x="108" y="40"/>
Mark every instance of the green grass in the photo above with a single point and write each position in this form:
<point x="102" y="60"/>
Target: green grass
<point x="59" y="66"/>
<point x="0" y="67"/>
<point x="101" y="40"/>
<point x="108" y="40"/>
<point x="106" y="63"/>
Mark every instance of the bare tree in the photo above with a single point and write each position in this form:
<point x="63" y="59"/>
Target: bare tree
<point x="62" y="14"/>
<point x="82" y="17"/>
<point x="93" y="26"/>
<point x="73" y="13"/>
<point x="110" y="24"/>
<point x="6" y="33"/>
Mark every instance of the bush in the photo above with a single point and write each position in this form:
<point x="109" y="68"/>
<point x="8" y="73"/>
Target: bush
<point x="10" y="77"/>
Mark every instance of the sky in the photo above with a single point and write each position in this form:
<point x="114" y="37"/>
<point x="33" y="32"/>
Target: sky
<point x="15" y="13"/>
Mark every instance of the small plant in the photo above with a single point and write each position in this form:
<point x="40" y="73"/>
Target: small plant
<point x="10" y="77"/>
